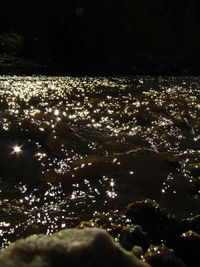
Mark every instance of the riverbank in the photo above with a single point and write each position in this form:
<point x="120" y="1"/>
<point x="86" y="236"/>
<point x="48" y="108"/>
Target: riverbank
<point x="15" y="65"/>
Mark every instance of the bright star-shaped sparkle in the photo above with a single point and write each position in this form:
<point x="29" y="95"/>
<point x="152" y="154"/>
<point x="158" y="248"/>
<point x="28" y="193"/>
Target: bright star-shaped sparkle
<point x="17" y="149"/>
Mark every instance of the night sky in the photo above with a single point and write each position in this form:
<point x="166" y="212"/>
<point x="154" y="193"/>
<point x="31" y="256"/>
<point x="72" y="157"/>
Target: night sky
<point x="109" y="37"/>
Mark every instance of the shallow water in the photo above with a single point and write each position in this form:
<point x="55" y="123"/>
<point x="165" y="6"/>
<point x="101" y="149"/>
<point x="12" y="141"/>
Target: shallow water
<point x="80" y="149"/>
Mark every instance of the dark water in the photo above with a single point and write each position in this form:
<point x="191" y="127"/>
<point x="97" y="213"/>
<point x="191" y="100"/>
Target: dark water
<point x="81" y="149"/>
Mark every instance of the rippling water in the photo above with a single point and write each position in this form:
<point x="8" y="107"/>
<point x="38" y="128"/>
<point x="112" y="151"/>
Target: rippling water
<point x="81" y="149"/>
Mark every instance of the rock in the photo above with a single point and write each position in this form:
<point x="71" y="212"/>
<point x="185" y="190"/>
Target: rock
<point x="129" y="167"/>
<point x="155" y="221"/>
<point x="193" y="223"/>
<point x="138" y="251"/>
<point x="71" y="247"/>
<point x="188" y="248"/>
<point x="162" y="256"/>
<point x="133" y="235"/>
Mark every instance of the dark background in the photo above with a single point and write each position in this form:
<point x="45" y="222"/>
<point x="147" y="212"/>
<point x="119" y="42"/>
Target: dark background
<point x="100" y="37"/>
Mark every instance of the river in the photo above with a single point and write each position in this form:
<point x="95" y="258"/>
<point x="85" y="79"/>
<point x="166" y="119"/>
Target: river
<point x="81" y="149"/>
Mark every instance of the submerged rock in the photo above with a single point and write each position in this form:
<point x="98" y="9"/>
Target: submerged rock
<point x="71" y="247"/>
<point x="155" y="221"/>
<point x="133" y="235"/>
<point x="162" y="256"/>
<point x="129" y="167"/>
<point x="188" y="248"/>
<point x="193" y="223"/>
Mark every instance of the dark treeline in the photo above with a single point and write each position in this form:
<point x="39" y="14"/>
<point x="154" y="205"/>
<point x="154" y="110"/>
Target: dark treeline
<point x="104" y="36"/>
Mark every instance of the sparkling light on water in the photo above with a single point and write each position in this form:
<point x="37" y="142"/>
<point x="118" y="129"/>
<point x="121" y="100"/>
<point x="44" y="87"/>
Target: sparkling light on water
<point x="76" y="149"/>
<point x="17" y="149"/>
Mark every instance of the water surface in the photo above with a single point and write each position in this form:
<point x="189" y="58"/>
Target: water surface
<point x="81" y="149"/>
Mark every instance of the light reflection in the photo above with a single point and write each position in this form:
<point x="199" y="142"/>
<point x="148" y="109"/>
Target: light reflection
<point x="99" y="116"/>
<point x="17" y="149"/>
<point x="56" y="112"/>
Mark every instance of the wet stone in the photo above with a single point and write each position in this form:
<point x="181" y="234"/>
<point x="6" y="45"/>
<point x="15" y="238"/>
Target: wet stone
<point x="133" y="235"/>
<point x="88" y="247"/>
<point x="155" y="221"/>
<point x="162" y="256"/>
<point x="188" y="247"/>
<point x="193" y="223"/>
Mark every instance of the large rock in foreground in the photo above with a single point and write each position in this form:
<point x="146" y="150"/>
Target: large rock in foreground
<point x="71" y="247"/>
